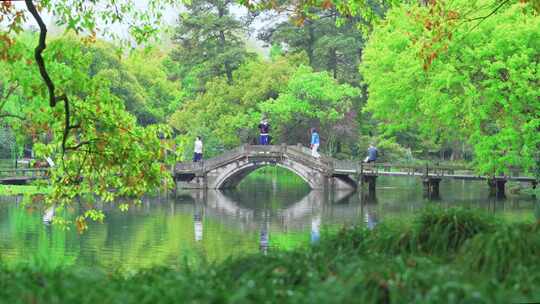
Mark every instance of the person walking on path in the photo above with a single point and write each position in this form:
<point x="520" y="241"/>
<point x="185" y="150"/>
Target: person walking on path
<point x="264" y="129"/>
<point x="198" y="150"/>
<point x="372" y="154"/>
<point x="315" y="141"/>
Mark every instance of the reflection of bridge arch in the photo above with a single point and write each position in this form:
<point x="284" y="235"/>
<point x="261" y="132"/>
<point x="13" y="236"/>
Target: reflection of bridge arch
<point x="220" y="202"/>
<point x="304" y="213"/>
<point x="216" y="202"/>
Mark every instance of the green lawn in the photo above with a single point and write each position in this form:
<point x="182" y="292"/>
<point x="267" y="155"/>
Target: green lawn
<point x="23" y="189"/>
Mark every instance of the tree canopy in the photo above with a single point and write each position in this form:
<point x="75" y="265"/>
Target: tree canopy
<point x="209" y="41"/>
<point x="483" y="86"/>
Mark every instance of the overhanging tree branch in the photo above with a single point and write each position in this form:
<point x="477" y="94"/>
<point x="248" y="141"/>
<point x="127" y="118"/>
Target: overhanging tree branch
<point x="39" y="50"/>
<point x="4" y="115"/>
<point x="53" y="99"/>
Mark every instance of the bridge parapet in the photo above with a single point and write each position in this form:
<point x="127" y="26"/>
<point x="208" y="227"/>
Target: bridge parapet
<point x="27" y="172"/>
<point x="22" y="176"/>
<point x="271" y="152"/>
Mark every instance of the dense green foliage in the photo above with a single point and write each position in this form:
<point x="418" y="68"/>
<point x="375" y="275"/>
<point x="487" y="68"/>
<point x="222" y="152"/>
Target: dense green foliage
<point x="107" y="153"/>
<point x="477" y="81"/>
<point x="328" y="47"/>
<point x="387" y="264"/>
<point x="138" y="79"/>
<point x="291" y="95"/>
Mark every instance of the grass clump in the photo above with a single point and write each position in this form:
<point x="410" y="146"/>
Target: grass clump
<point x="441" y="230"/>
<point x="501" y="252"/>
<point x="433" y="231"/>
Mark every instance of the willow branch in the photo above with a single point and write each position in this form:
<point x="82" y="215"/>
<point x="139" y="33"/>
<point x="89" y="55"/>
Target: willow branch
<point x="4" y="115"/>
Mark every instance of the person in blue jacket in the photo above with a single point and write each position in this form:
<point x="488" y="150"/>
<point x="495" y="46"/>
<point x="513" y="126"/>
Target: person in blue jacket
<point x="372" y="154"/>
<point x="315" y="141"/>
<point x="264" y="128"/>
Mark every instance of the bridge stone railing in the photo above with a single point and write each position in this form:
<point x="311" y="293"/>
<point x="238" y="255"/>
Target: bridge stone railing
<point x="211" y="162"/>
<point x="346" y="165"/>
<point x="303" y="155"/>
<point x="297" y="153"/>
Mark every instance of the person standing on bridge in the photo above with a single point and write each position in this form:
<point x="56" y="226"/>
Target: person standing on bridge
<point x="315" y="141"/>
<point x="198" y="150"/>
<point x="372" y="154"/>
<point x="264" y="128"/>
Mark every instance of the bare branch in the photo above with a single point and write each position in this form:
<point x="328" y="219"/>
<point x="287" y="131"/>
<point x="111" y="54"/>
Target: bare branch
<point x="483" y="18"/>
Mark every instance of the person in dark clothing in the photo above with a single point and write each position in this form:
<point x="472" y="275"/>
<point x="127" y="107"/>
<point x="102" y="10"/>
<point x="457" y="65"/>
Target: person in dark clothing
<point x="372" y="154"/>
<point x="264" y="129"/>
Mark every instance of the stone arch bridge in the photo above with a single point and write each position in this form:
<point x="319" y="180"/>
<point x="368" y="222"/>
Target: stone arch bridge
<point x="228" y="169"/>
<point x="324" y="173"/>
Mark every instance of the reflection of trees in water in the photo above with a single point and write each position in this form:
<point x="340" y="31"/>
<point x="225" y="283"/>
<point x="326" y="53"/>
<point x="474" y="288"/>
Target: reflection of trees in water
<point x="276" y="189"/>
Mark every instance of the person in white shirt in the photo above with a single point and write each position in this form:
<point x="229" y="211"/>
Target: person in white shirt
<point x="198" y="150"/>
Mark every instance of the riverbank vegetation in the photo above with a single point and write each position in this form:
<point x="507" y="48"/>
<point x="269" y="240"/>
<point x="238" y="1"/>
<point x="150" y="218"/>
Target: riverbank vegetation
<point x="452" y="255"/>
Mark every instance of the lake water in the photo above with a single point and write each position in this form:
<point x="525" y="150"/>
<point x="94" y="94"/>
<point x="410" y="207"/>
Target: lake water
<point x="268" y="210"/>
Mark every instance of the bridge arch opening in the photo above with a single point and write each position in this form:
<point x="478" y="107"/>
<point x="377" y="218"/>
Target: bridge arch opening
<point x="273" y="177"/>
<point x="264" y="171"/>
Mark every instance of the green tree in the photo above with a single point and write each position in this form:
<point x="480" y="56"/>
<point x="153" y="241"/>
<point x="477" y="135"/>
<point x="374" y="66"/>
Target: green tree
<point x="313" y="99"/>
<point x="106" y="152"/>
<point x="329" y="46"/>
<point x="209" y="42"/>
<point x="139" y="79"/>
<point x="226" y="115"/>
<point x="479" y="82"/>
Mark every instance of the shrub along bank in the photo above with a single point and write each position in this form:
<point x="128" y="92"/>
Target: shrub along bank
<point x="444" y="256"/>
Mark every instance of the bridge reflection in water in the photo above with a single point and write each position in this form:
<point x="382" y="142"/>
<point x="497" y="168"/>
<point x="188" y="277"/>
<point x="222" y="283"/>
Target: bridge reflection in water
<point x="306" y="213"/>
<point x="309" y="213"/>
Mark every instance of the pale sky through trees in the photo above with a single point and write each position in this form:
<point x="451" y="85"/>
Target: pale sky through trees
<point x="170" y="19"/>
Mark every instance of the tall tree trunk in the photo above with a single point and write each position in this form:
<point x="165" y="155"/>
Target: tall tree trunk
<point x="222" y="42"/>
<point x="332" y="62"/>
<point x="333" y="54"/>
<point x="228" y="70"/>
<point x="311" y="41"/>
